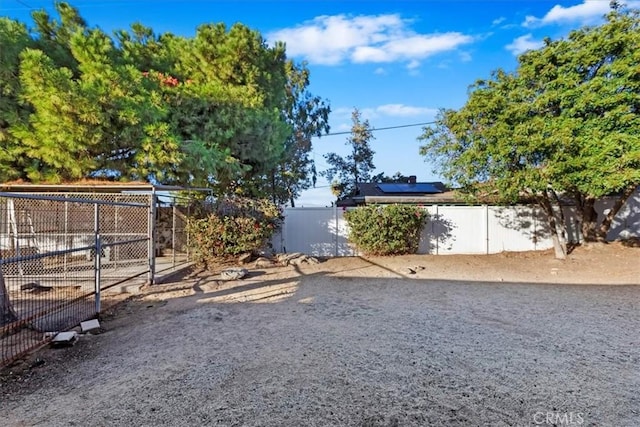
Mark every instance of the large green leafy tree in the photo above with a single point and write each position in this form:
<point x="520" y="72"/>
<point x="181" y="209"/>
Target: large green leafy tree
<point x="141" y="47"/>
<point x="347" y="172"/>
<point x="565" y="124"/>
<point x="193" y="107"/>
<point x="14" y="38"/>
<point x="233" y="103"/>
<point x="53" y="36"/>
<point x="88" y="112"/>
<point x="218" y="109"/>
<point x="105" y="121"/>
<point x="308" y="117"/>
<point x="244" y="113"/>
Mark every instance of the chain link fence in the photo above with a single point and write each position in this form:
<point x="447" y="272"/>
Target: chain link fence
<point x="59" y="254"/>
<point x="62" y="254"/>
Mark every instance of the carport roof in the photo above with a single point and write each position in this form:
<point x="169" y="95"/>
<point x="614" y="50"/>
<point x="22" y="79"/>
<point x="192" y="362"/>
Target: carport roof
<point x="93" y="187"/>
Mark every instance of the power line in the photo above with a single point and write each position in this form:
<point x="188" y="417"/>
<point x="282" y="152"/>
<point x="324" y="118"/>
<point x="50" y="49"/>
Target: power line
<point x="24" y="4"/>
<point x="372" y="130"/>
<point x="385" y="128"/>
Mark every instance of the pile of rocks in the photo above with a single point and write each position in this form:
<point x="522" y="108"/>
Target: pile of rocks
<point x="234" y="273"/>
<point x="295" y="258"/>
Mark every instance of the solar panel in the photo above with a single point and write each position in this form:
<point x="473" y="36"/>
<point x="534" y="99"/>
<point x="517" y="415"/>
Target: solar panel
<point x="421" y="187"/>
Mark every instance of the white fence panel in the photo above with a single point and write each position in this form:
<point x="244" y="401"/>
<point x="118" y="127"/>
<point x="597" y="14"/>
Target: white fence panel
<point x="516" y="228"/>
<point x="455" y="230"/>
<point x="315" y="231"/>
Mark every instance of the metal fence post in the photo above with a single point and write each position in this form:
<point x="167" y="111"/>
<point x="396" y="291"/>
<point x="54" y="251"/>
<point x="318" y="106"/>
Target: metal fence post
<point x="486" y="228"/>
<point x="67" y="239"/>
<point x="433" y="230"/>
<point x="152" y="237"/>
<point x="534" y="215"/>
<point x="97" y="259"/>
<point x="186" y="225"/>
<point x="173" y="233"/>
<point x="13" y="224"/>
<point x="335" y="215"/>
<point x="116" y="249"/>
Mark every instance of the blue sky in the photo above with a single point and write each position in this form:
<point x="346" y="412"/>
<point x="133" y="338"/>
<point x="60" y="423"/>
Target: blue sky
<point x="396" y="61"/>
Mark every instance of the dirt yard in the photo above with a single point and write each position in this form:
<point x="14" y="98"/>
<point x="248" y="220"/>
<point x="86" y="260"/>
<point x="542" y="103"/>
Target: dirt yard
<point x="510" y="339"/>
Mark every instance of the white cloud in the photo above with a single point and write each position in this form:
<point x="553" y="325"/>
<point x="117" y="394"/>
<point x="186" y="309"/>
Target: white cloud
<point x="523" y="44"/>
<point x="331" y="40"/>
<point x="380" y="71"/>
<point x="465" y="56"/>
<point x="498" y="21"/>
<point x="401" y="110"/>
<point x="369" y="54"/>
<point x="410" y="48"/>
<point x="587" y="12"/>
<point x="386" y="110"/>
<point x="342" y="112"/>
<point x="413" y="68"/>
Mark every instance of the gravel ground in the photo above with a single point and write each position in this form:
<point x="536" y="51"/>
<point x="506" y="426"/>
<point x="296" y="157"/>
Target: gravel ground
<point x="354" y="342"/>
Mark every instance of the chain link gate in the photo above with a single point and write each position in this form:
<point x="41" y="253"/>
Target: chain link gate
<point x="171" y="234"/>
<point x="59" y="254"/>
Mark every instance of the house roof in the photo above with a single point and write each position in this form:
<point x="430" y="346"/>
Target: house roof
<point x="410" y="193"/>
<point x="400" y="189"/>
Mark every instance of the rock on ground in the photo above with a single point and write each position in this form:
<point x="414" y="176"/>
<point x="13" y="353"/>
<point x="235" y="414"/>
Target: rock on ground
<point x="233" y="273"/>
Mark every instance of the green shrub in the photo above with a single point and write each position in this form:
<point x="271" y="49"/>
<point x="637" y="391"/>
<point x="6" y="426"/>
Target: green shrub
<point x="234" y="226"/>
<point x="386" y="229"/>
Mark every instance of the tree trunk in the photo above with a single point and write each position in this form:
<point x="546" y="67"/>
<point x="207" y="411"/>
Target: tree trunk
<point x="273" y="188"/>
<point x="559" y="246"/>
<point x="589" y="218"/>
<point x="561" y="220"/>
<point x="556" y="227"/>
<point x="603" y="229"/>
<point x="7" y="315"/>
<point x="355" y="170"/>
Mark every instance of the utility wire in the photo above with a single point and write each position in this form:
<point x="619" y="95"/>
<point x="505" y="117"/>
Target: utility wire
<point x="24" y="4"/>
<point x="385" y="128"/>
<point x="372" y="130"/>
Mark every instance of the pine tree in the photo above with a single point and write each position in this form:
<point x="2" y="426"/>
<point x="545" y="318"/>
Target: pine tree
<point x="347" y="172"/>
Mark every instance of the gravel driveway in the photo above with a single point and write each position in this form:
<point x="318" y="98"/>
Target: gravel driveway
<point x="312" y="347"/>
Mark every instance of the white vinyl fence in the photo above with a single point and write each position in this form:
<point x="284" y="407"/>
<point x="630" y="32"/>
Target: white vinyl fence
<point x="450" y="230"/>
<point x="314" y="231"/>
